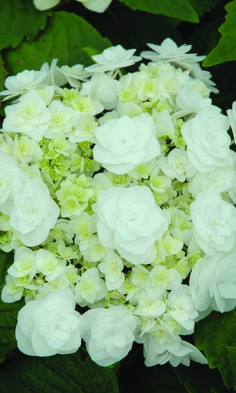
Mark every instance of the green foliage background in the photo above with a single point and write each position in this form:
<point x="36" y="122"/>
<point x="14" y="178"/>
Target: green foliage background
<point x="71" y="33"/>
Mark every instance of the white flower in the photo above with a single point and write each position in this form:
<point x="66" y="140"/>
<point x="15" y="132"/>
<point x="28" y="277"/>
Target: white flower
<point x="181" y="307"/>
<point x="232" y="119"/>
<point x="24" y="81"/>
<point x="104" y="88"/>
<point x="204" y="76"/>
<point x="164" y="124"/>
<point x="221" y="180"/>
<point x="49" y="326"/>
<point x="83" y="128"/>
<point x="162" y="346"/>
<point x="29" y="116"/>
<point x="61" y="119"/>
<point x="90" y="288"/>
<point x="177" y="165"/>
<point x="24" y="263"/>
<point x="161" y="279"/>
<point x="185" y="353"/>
<point x="112" y="267"/>
<point x="190" y="100"/>
<point x="112" y="59"/>
<point x="158" y="344"/>
<point x="12" y="292"/>
<point x="130" y="221"/>
<point x="207" y="140"/>
<point x="96" y="5"/>
<point x="49" y="265"/>
<point x="213" y="283"/>
<point x="168" y="51"/>
<point x="91" y="249"/>
<point x="74" y="75"/>
<point x="124" y="143"/>
<point x="34" y="213"/>
<point x="26" y="149"/>
<point x="214" y="222"/>
<point x="12" y="180"/>
<point x="149" y="305"/>
<point x="108" y="333"/>
<point x="43" y="5"/>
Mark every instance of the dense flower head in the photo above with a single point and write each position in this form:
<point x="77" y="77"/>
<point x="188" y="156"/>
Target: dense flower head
<point x="117" y="196"/>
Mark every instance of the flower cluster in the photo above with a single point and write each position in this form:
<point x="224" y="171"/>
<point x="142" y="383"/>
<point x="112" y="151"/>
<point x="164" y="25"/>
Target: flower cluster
<point x="117" y="197"/>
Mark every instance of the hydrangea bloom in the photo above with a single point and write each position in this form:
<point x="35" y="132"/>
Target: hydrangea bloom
<point x="109" y="334"/>
<point x="124" y="143"/>
<point x="117" y="195"/>
<point x="130" y="221"/>
<point x="113" y="58"/>
<point x="49" y="326"/>
<point x="169" y="51"/>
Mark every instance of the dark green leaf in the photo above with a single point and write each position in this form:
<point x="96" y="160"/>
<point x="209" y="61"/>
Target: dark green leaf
<point x="56" y="374"/>
<point x="225" y="50"/>
<point x="8" y="312"/>
<point x="215" y="335"/>
<point x="63" y="39"/>
<point x="203" y="6"/>
<point x="19" y="19"/>
<point x="180" y="9"/>
<point x="209" y="381"/>
<point x="2" y="73"/>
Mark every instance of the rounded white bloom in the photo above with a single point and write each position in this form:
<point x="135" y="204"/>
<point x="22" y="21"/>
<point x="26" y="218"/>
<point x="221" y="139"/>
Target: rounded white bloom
<point x="49" y="265"/>
<point x="161" y="279"/>
<point x="221" y="180"/>
<point x="181" y="307"/>
<point x="24" y="81"/>
<point x="24" y="263"/>
<point x="83" y="129"/>
<point x="213" y="283"/>
<point x="61" y="120"/>
<point x="207" y="140"/>
<point x="26" y="149"/>
<point x="29" y="116"/>
<point x="96" y="5"/>
<point x="158" y="344"/>
<point x="177" y="165"/>
<point x="149" y="305"/>
<point x="214" y="222"/>
<point x="108" y="333"/>
<point x="124" y="143"/>
<point x="49" y="326"/>
<point x="91" y="249"/>
<point x="12" y="292"/>
<point x="190" y="100"/>
<point x="112" y="59"/>
<point x="12" y="180"/>
<point x="168" y="51"/>
<point x="130" y="221"/>
<point x="90" y="288"/>
<point x="162" y="346"/>
<point x="34" y="213"/>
